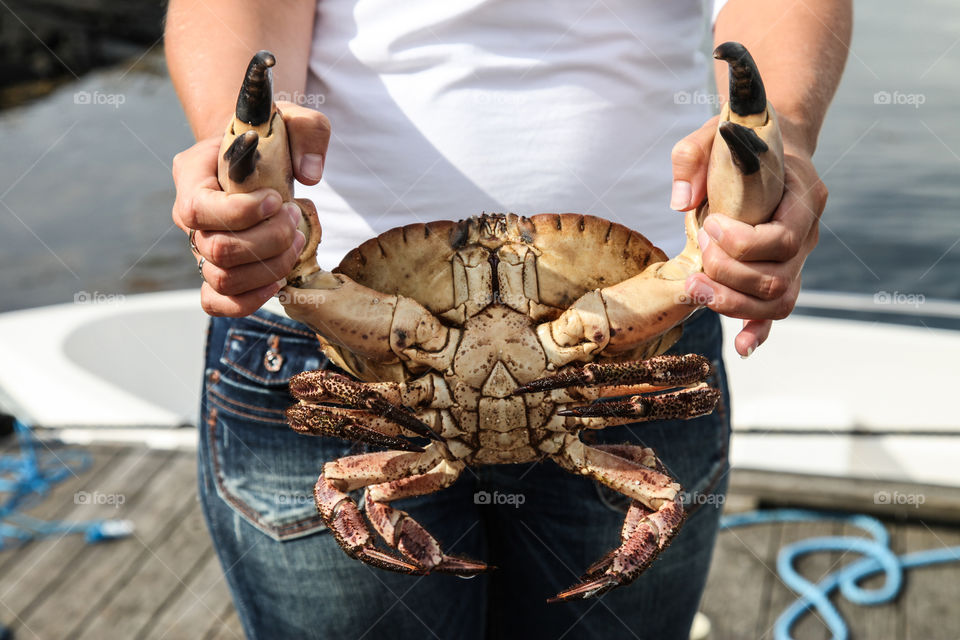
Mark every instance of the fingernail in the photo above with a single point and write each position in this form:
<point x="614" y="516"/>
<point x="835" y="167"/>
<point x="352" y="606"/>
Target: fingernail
<point x="750" y="350"/>
<point x="711" y="226"/>
<point x="703" y="238"/>
<point x="270" y="205"/>
<point x="311" y="166"/>
<point x="700" y="293"/>
<point x="681" y="195"/>
<point x="293" y="211"/>
<point x="299" y="241"/>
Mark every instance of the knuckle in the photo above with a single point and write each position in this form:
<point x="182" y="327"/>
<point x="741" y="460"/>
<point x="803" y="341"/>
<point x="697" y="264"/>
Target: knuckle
<point x="820" y="194"/>
<point x="790" y="244"/>
<point x="686" y="153"/>
<point x="222" y="250"/>
<point x="208" y="302"/>
<point x="772" y="287"/>
<point x="782" y="308"/>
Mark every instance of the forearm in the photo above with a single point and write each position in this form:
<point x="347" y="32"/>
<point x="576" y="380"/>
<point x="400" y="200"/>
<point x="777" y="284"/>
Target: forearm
<point x="800" y="48"/>
<point x="208" y="45"/>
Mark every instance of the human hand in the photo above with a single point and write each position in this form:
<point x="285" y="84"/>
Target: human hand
<point x="248" y="241"/>
<point x="752" y="273"/>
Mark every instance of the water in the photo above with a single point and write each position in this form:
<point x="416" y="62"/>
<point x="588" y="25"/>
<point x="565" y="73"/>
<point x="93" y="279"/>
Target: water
<point x="85" y="189"/>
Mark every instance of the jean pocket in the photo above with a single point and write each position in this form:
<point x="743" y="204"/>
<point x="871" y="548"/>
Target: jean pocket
<point x="261" y="468"/>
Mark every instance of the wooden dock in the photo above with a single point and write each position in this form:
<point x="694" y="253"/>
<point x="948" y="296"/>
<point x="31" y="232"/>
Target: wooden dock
<point x="165" y="582"/>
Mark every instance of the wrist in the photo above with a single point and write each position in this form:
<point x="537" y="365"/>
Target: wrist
<point x="799" y="137"/>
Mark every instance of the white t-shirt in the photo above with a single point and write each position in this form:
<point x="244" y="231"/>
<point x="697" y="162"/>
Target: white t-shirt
<point x="443" y="109"/>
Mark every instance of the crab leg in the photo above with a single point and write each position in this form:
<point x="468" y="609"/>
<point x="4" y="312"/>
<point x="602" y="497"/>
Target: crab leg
<point x="652" y="521"/>
<point x="255" y="153"/>
<point x="644" y="381"/>
<point x="744" y="181"/>
<point x="356" y="400"/>
<point x="661" y="371"/>
<point x="393" y="475"/>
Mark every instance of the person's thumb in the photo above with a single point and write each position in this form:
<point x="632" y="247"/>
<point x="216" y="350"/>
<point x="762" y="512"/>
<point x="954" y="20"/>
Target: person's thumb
<point x="309" y="133"/>
<point x="690" y="157"/>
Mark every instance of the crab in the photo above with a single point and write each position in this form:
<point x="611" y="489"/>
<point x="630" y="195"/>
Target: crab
<point x="498" y="339"/>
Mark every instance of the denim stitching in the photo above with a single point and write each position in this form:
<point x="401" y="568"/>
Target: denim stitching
<point x="288" y="529"/>
<point x="224" y="398"/>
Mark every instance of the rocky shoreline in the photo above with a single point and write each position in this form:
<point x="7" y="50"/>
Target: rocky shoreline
<point x="45" y="42"/>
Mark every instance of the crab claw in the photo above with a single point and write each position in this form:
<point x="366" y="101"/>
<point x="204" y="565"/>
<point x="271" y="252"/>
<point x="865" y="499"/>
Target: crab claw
<point x="747" y="95"/>
<point x="241" y="156"/>
<point x="255" y="102"/>
<point x="745" y="146"/>
<point x="745" y="175"/>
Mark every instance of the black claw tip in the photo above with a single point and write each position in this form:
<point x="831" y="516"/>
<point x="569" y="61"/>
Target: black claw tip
<point x="747" y="95"/>
<point x="241" y="156"/>
<point x="745" y="146"/>
<point x="255" y="102"/>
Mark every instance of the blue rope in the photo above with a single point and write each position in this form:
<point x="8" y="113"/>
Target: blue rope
<point x="27" y="477"/>
<point x="877" y="558"/>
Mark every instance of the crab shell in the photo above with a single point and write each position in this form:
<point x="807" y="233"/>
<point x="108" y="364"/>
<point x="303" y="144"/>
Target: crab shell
<point x="536" y="266"/>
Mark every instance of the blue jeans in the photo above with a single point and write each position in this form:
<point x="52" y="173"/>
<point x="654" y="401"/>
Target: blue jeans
<point x="289" y="579"/>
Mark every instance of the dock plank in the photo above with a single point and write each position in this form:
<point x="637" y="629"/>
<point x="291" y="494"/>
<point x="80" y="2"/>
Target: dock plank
<point x="929" y="600"/>
<point x="61" y="499"/>
<point x="737" y="593"/>
<point x="168" y="569"/>
<point x="229" y="629"/>
<point x="814" y="567"/>
<point x="98" y="572"/>
<point x="189" y="615"/>
<point x="45" y="563"/>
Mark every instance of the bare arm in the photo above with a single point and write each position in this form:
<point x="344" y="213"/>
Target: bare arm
<point x="209" y="43"/>
<point x="749" y="272"/>
<point x="801" y="48"/>
<point x="248" y="242"/>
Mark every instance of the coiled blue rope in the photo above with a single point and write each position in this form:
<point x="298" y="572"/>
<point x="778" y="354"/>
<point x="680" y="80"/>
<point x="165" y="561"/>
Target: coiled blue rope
<point x="27" y="477"/>
<point x="877" y="558"/>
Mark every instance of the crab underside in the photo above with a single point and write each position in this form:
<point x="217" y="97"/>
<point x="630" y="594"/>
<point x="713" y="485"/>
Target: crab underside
<point x="497" y="339"/>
